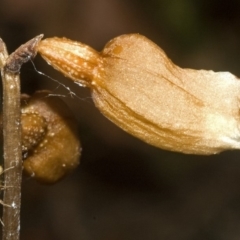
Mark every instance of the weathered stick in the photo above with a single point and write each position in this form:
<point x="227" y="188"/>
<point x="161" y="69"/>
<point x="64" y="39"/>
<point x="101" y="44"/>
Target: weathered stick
<point x="12" y="147"/>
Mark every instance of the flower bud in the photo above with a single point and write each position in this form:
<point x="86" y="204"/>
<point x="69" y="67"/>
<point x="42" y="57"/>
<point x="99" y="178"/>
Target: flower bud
<point x="50" y="142"/>
<point x="136" y="86"/>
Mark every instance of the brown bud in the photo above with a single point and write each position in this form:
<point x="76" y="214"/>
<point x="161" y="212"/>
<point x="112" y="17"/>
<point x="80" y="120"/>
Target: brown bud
<point x="137" y="86"/>
<point x="34" y="129"/>
<point x="50" y="144"/>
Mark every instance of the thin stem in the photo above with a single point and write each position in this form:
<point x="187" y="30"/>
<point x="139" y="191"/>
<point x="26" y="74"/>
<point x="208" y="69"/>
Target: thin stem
<point x="12" y="142"/>
<point x="12" y="155"/>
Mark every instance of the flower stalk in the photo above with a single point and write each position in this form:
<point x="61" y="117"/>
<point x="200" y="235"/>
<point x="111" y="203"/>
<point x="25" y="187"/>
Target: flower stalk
<point x="12" y="146"/>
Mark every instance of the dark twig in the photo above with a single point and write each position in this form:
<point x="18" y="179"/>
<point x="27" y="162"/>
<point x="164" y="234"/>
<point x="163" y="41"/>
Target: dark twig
<point x="10" y="68"/>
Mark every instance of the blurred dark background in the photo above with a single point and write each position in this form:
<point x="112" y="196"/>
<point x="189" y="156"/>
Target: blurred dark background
<point x="124" y="188"/>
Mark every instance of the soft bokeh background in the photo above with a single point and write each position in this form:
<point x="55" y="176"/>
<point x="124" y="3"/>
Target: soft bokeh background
<point x="125" y="189"/>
